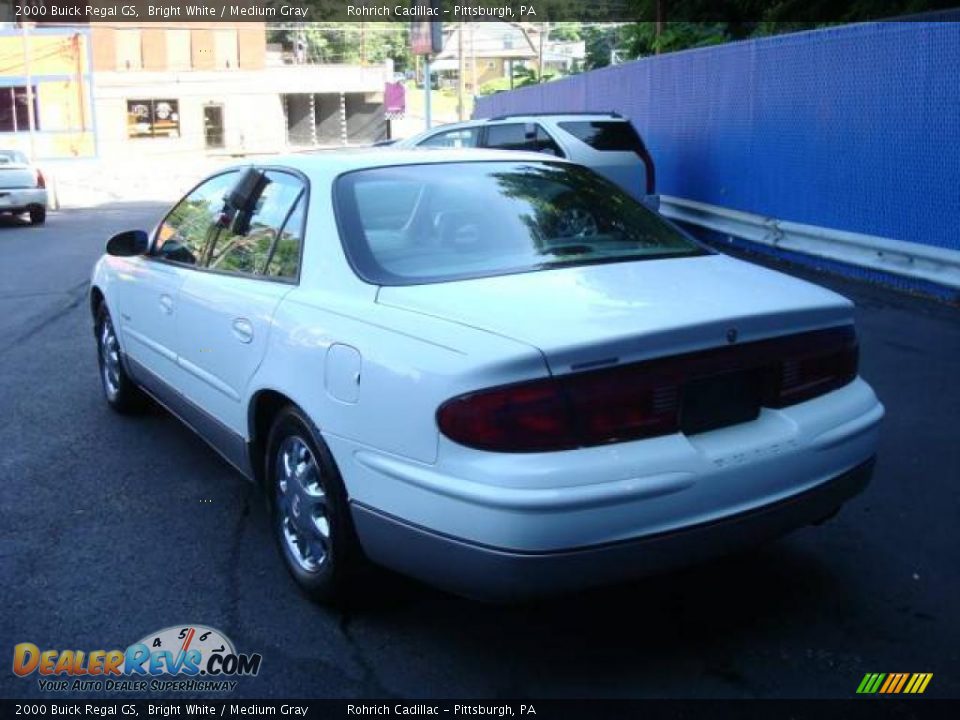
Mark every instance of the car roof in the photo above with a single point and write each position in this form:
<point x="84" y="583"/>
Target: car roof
<point x="534" y="116"/>
<point x="558" y="116"/>
<point x="343" y="160"/>
<point x="517" y="118"/>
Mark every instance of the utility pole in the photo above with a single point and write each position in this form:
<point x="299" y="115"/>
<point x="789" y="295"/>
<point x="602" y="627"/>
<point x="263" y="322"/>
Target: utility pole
<point x="461" y="80"/>
<point x="26" y="71"/>
<point x="661" y="12"/>
<point x="473" y="62"/>
<point x="543" y="31"/>
<point x="363" y="43"/>
<point x="427" y="89"/>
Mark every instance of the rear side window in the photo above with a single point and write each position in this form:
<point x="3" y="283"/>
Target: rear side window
<point x="521" y="136"/>
<point x="606" y="135"/>
<point x="613" y="136"/>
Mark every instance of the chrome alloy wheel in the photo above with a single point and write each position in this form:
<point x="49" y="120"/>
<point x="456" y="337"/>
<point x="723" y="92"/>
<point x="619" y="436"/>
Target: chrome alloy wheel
<point x="302" y="509"/>
<point x="109" y="359"/>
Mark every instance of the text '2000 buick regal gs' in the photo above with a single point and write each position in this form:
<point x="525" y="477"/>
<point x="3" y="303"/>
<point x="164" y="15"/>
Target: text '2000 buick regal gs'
<point x="492" y="371"/>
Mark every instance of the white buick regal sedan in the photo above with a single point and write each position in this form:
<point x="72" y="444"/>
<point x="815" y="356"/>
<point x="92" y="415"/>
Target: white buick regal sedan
<point x="492" y="371"/>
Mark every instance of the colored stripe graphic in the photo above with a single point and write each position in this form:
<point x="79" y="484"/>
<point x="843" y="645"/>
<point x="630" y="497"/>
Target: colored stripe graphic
<point x="894" y="683"/>
<point x="867" y="684"/>
<point x="903" y="679"/>
<point x="923" y="679"/>
<point x="891" y="680"/>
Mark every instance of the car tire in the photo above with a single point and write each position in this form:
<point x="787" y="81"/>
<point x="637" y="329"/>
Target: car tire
<point x="119" y="390"/>
<point x="38" y="215"/>
<point x="310" y="515"/>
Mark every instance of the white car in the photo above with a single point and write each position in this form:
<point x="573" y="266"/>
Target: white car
<point x="23" y="188"/>
<point x="493" y="371"/>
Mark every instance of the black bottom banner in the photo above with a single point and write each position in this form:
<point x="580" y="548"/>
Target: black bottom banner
<point x="873" y="708"/>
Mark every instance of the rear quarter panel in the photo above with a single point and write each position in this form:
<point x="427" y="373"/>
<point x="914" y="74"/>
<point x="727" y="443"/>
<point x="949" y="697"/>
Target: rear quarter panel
<point x="408" y="366"/>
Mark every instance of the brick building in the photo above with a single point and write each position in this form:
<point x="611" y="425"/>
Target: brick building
<point x="121" y="90"/>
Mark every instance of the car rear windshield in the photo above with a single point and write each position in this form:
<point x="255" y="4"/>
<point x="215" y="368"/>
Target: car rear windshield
<point x="414" y="224"/>
<point x="13" y="156"/>
<point x="616" y="135"/>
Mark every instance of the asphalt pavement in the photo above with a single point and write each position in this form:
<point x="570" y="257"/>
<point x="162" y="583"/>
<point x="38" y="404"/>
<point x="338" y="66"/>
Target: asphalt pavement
<point x="111" y="528"/>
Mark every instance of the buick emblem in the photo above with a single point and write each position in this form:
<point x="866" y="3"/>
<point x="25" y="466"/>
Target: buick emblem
<point x="732" y="335"/>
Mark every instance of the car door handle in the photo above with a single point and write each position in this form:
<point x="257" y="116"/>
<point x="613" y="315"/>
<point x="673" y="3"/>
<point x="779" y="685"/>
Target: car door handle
<point x="243" y="330"/>
<point x="166" y="304"/>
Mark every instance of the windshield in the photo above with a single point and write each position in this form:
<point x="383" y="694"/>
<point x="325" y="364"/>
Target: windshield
<point x="415" y="224"/>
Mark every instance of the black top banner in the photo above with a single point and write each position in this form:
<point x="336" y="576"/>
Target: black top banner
<point x="876" y="709"/>
<point x="296" y="11"/>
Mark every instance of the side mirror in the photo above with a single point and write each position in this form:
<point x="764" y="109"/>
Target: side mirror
<point x="128" y="244"/>
<point x="241" y="201"/>
<point x="246" y="190"/>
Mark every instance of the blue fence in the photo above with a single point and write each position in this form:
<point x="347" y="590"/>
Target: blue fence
<point x="855" y="128"/>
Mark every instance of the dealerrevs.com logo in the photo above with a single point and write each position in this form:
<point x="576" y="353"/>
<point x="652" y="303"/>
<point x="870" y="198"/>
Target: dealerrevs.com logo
<point x="189" y="658"/>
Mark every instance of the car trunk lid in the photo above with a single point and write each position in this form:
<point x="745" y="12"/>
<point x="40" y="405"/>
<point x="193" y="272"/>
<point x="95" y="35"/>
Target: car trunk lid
<point x="17" y="176"/>
<point x="594" y="316"/>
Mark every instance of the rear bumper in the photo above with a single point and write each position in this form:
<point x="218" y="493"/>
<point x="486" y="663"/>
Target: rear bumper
<point x="498" y="574"/>
<point x="21" y="199"/>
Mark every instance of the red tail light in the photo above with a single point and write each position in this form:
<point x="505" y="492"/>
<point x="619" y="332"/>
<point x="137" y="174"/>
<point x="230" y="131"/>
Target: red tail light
<point x="530" y="417"/>
<point x="41" y="181"/>
<point x="560" y="413"/>
<point x="815" y="368"/>
<point x="644" y="399"/>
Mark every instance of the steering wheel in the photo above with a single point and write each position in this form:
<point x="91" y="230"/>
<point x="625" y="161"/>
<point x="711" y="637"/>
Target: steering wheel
<point x="459" y="230"/>
<point x="575" y="222"/>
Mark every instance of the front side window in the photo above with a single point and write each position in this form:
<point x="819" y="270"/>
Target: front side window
<point x="186" y="231"/>
<point x="450" y="221"/>
<point x="284" y="258"/>
<point x="263" y="238"/>
<point x="463" y="138"/>
<point x="247" y="248"/>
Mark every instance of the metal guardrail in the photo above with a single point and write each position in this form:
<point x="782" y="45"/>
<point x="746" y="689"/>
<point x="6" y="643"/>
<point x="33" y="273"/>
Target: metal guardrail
<point x="898" y="257"/>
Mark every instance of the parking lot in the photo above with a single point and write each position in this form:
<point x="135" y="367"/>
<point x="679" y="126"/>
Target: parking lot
<point x="113" y="528"/>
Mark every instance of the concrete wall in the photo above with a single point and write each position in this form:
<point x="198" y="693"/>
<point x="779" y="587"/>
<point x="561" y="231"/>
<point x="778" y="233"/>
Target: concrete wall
<point x="365" y="118"/>
<point x="301" y="128"/>
<point x="252" y="112"/>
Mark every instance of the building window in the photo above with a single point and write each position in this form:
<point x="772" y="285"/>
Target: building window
<point x="153" y="118"/>
<point x="14" y="113"/>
